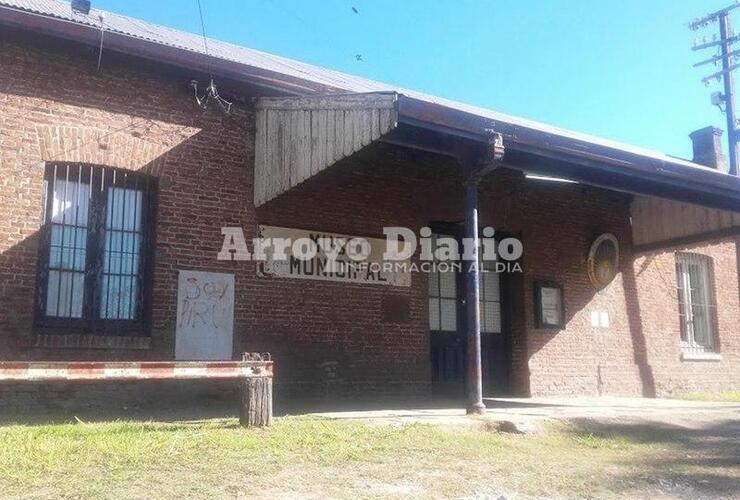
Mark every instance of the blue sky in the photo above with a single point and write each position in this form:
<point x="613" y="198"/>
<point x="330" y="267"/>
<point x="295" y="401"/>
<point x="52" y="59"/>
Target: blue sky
<point x="617" y="69"/>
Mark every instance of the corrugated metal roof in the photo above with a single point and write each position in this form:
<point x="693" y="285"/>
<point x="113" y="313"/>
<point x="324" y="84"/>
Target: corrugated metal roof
<point x="334" y="79"/>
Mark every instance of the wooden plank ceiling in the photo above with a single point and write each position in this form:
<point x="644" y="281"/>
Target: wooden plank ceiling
<point x="657" y="220"/>
<point x="298" y="137"/>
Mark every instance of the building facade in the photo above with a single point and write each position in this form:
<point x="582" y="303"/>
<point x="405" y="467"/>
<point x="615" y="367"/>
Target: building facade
<point x="115" y="181"/>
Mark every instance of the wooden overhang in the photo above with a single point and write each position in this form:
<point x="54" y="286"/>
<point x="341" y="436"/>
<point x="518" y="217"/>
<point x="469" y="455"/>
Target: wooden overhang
<point x="297" y="137"/>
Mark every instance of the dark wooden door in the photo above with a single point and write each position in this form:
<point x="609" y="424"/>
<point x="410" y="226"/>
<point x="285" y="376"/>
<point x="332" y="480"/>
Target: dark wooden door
<point x="447" y="325"/>
<point x="495" y="363"/>
<point x="448" y="331"/>
<point x="448" y="363"/>
<point x="495" y="338"/>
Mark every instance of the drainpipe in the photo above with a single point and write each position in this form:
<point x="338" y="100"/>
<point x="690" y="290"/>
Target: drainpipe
<point x="475" y="167"/>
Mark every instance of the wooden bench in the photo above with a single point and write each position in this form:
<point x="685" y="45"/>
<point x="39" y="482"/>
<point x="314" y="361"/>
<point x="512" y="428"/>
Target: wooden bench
<point x="254" y="371"/>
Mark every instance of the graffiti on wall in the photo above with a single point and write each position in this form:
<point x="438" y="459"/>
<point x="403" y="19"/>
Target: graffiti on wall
<point x="205" y="315"/>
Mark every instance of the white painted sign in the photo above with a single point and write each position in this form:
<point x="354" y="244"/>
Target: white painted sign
<point x="205" y="316"/>
<point x="369" y="270"/>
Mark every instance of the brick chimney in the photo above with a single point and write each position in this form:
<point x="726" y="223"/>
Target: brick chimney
<point x="708" y="148"/>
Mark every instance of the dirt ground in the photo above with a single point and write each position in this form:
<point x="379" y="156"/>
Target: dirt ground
<point x="703" y="436"/>
<point x="522" y="448"/>
<point x="528" y="414"/>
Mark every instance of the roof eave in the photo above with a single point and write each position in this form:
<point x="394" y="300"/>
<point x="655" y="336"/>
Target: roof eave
<point x="589" y="163"/>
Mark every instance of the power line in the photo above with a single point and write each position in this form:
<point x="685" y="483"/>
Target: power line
<point x="203" y="28"/>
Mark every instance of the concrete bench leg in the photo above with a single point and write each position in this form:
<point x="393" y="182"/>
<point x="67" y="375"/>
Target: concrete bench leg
<point x="256" y="404"/>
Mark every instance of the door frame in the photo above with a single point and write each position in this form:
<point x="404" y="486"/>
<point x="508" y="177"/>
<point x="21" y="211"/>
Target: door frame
<point x="456" y="230"/>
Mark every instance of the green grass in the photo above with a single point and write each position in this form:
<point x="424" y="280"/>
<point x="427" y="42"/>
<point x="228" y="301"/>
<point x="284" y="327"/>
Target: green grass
<point x="726" y="396"/>
<point x="300" y="457"/>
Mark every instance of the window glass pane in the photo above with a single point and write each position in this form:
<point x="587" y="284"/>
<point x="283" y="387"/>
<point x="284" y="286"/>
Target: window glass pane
<point x="128" y="300"/>
<point x="118" y="299"/>
<point x="696" y="283"/>
<point x="124" y="209"/>
<point x="682" y="302"/>
<point x="433" y="314"/>
<point x="490" y="296"/>
<point x="121" y="257"/>
<point x="70" y="202"/>
<point x="695" y="305"/>
<point x="490" y="285"/>
<point x="685" y="302"/>
<point x="701" y="325"/>
<point x="67" y="247"/>
<point x="448" y="315"/>
<point x="448" y="284"/>
<point x="65" y="285"/>
<point x="490" y="317"/>
<point x="52" y="293"/>
<point x="443" y="295"/>
<point x="433" y="284"/>
<point x="64" y="294"/>
<point x="108" y="299"/>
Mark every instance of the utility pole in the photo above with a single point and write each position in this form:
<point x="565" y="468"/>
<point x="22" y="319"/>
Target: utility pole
<point x="727" y="57"/>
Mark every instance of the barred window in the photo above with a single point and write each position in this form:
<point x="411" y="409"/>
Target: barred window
<point x="94" y="248"/>
<point x="697" y="308"/>
<point x="68" y="225"/>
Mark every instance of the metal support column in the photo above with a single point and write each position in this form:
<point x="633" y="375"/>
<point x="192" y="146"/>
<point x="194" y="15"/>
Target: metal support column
<point x="472" y="296"/>
<point x="476" y="164"/>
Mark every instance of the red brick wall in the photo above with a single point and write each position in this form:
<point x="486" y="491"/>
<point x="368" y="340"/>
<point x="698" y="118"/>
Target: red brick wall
<point x="557" y="238"/>
<point x="56" y="106"/>
<point x="657" y="305"/>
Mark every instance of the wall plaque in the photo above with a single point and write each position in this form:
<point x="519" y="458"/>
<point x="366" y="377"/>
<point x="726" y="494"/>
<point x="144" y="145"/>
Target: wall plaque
<point x="549" y="305"/>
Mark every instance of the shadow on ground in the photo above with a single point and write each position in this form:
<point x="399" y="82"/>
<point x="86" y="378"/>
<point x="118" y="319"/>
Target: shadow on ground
<point x="199" y="407"/>
<point x="696" y="461"/>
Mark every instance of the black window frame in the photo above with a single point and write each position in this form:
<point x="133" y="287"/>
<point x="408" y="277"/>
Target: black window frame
<point x="100" y="178"/>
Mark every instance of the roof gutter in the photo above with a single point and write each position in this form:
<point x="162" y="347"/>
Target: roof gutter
<point x="153" y="51"/>
<point x="550" y="154"/>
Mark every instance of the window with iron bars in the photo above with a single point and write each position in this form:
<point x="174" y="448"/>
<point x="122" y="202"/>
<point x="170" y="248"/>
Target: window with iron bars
<point x="94" y="252"/>
<point x="696" y="302"/>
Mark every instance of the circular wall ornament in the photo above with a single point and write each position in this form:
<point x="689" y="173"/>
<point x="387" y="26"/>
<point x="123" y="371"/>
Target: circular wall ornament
<point x="603" y="260"/>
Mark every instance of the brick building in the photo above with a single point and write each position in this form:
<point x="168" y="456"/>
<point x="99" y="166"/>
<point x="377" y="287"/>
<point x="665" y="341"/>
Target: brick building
<point x="115" y="182"/>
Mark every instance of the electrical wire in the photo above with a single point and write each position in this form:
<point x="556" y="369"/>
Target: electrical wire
<point x="205" y="39"/>
<point x="211" y="92"/>
<point x="102" y="33"/>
